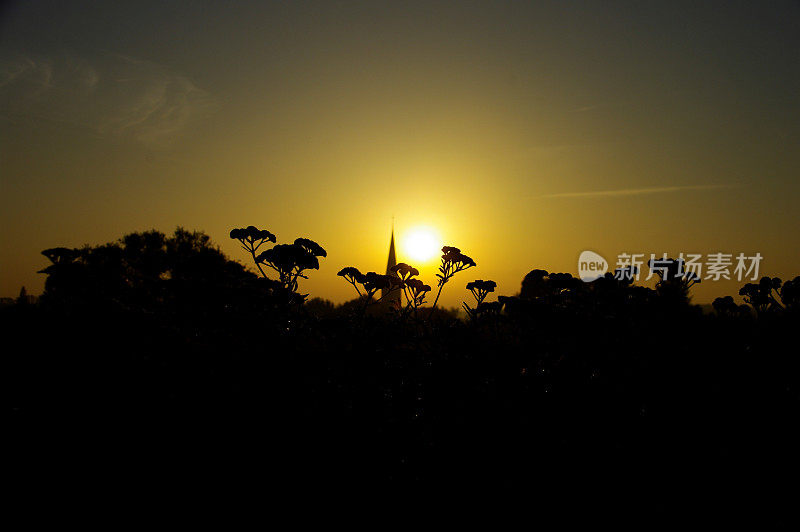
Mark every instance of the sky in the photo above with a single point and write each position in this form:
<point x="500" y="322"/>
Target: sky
<point x="522" y="132"/>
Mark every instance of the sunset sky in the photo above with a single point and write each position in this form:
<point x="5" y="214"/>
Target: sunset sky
<point x="523" y="133"/>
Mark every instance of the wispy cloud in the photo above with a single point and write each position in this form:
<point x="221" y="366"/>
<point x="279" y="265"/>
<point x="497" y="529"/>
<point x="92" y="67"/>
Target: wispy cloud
<point x="638" y="191"/>
<point x="111" y="94"/>
<point x="585" y="108"/>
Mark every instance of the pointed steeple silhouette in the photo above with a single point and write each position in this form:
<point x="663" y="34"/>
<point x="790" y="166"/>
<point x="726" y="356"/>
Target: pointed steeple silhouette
<point x="392" y="262"/>
<point x="393" y="298"/>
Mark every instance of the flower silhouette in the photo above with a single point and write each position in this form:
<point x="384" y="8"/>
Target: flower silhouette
<point x="726" y="307"/>
<point x="251" y="239"/>
<point x="59" y="257"/>
<point x="674" y="281"/>
<point x="404" y="271"/>
<point x="790" y="293"/>
<point x="288" y="260"/>
<point x="352" y="276"/>
<point x="761" y="295"/>
<point x="311" y="247"/>
<point x="480" y="289"/>
<point x="453" y="261"/>
<point x="415" y="291"/>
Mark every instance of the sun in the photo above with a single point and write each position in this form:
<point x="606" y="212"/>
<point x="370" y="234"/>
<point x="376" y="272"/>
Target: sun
<point x="422" y="244"/>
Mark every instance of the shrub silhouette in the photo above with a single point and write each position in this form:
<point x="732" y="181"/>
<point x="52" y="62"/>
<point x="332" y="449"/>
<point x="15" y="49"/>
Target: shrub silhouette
<point x="148" y="273"/>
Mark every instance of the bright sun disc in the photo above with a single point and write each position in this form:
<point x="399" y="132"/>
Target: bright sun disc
<point x="421" y="244"/>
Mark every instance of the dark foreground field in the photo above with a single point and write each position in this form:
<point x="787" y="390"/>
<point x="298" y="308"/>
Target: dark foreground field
<point x="604" y="401"/>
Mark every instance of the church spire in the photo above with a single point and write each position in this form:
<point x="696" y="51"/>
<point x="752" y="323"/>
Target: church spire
<point x="391" y="298"/>
<point x="392" y="262"/>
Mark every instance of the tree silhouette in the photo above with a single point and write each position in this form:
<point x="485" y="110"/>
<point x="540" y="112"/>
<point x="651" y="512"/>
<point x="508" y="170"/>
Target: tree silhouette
<point x="145" y="272"/>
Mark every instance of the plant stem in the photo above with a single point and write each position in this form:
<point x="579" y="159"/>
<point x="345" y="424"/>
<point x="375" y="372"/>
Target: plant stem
<point x="436" y="300"/>
<point x="253" y="253"/>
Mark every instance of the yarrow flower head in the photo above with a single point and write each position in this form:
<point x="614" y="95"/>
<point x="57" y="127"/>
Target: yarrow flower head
<point x="760" y="295"/>
<point x="375" y="281"/>
<point x="311" y="247"/>
<point x="252" y="234"/>
<point x="417" y="287"/>
<point x="286" y="257"/>
<point x="288" y="260"/>
<point x="481" y="285"/>
<point x="450" y="250"/>
<point x="351" y="275"/>
<point x="404" y="271"/>
<point x="480" y="289"/>
<point x="453" y="261"/>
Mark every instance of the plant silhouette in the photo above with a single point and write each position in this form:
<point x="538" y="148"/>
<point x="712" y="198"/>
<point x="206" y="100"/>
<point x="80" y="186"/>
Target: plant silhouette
<point x="453" y="261"/>
<point x="413" y="289"/>
<point x="479" y="289"/>
<point x="674" y="281"/>
<point x="289" y="261"/>
<point x="761" y="295"/>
